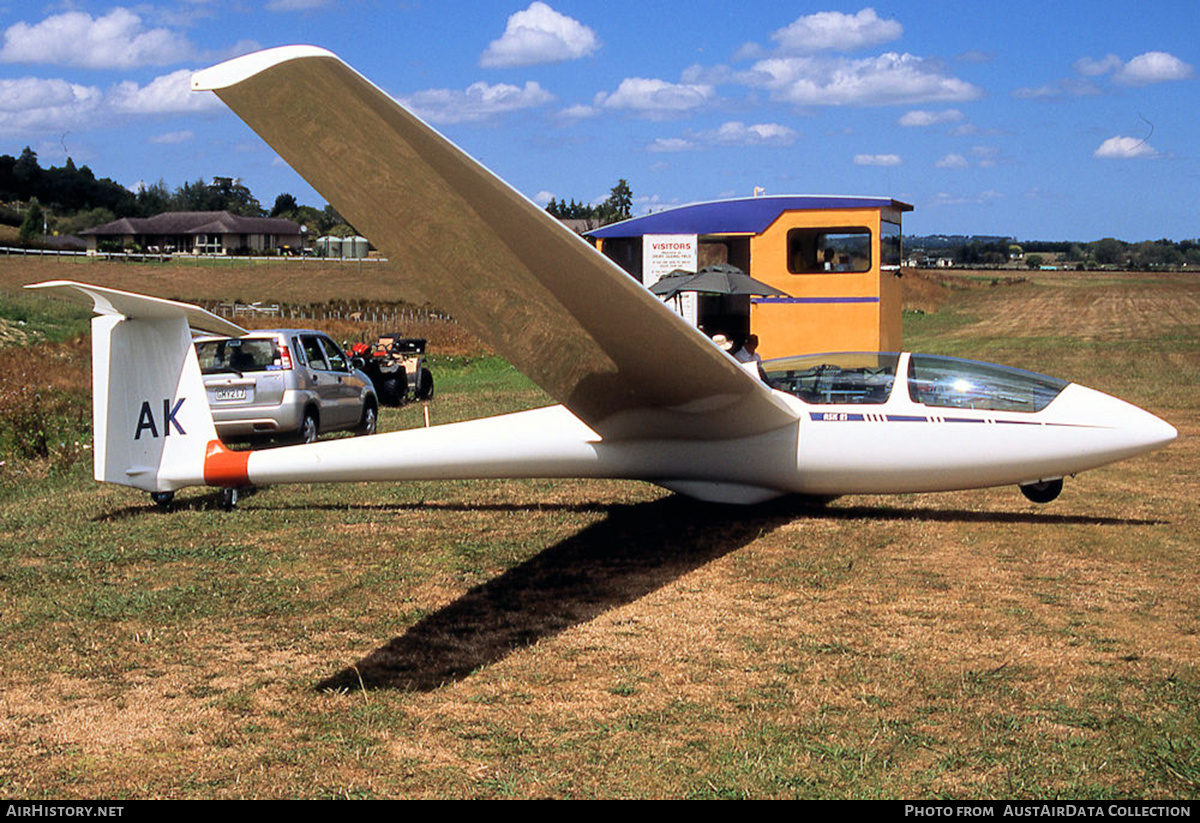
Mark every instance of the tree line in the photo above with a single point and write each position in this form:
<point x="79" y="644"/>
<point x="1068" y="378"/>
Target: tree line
<point x="1107" y="252"/>
<point x="68" y="199"/>
<point x="617" y="206"/>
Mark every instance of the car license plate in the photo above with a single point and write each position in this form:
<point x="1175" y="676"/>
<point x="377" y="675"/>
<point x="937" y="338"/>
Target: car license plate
<point x="230" y="394"/>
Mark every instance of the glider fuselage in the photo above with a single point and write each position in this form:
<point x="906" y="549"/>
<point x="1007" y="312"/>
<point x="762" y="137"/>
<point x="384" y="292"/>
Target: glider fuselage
<point x="895" y="446"/>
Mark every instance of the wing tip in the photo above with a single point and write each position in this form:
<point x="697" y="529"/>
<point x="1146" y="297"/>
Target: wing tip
<point x="232" y="72"/>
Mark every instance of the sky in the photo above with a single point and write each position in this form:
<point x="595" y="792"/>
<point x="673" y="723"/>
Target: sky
<point x="1036" y="120"/>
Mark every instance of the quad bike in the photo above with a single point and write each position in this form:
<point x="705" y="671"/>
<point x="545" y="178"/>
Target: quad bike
<point x="396" y="365"/>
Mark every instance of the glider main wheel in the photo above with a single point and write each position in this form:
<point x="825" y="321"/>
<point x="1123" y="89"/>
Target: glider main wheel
<point x="163" y="499"/>
<point x="229" y="498"/>
<point x="1043" y="492"/>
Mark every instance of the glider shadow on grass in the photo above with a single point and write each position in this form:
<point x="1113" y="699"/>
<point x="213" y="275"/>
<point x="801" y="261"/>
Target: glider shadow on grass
<point x="635" y="550"/>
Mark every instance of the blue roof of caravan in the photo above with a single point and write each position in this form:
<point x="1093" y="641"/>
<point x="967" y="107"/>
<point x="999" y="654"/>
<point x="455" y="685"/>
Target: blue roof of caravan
<point x="747" y="215"/>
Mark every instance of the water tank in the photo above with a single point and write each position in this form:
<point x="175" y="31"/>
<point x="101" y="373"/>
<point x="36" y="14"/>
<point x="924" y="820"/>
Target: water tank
<point x="329" y="246"/>
<point x="355" y="247"/>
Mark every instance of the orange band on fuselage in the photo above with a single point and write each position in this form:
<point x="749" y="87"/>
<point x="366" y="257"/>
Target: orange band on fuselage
<point x="223" y="467"/>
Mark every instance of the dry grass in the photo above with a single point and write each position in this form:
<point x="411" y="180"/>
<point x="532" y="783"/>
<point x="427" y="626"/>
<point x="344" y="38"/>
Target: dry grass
<point x="604" y="639"/>
<point x="246" y="280"/>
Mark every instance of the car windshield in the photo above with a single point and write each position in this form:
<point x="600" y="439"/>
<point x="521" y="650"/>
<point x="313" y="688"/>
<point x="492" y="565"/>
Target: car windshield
<point x="846" y="377"/>
<point x="967" y="384"/>
<point x="238" y="354"/>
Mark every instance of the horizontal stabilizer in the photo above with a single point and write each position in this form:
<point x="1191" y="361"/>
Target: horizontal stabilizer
<point x="140" y="306"/>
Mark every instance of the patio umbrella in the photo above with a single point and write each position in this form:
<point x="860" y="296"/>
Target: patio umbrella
<point x="719" y="279"/>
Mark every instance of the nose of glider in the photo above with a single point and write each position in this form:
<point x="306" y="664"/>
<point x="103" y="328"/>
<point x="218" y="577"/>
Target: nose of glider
<point x="1128" y="430"/>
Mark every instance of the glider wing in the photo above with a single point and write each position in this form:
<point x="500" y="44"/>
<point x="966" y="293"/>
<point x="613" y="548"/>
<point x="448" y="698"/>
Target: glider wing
<point x="586" y="332"/>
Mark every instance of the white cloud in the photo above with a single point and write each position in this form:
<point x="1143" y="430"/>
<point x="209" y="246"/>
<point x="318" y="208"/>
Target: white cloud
<point x="1051" y="92"/>
<point x="877" y="160"/>
<point x="297" y="5"/>
<point x="480" y="101"/>
<point x="930" y="118"/>
<point x="578" y="112"/>
<point x="733" y="133"/>
<point x="952" y="161"/>
<point x="539" y="35"/>
<point x="1153" y="67"/>
<point x="986" y="156"/>
<point x="168" y="93"/>
<point x="1145" y="69"/>
<point x="671" y="144"/>
<point x="118" y="40"/>
<point x="835" y="31"/>
<point x="1094" y="68"/>
<point x="889" y="79"/>
<point x="656" y="99"/>
<point x="32" y="104"/>
<point x="29" y="105"/>
<point x="736" y="133"/>
<point x="982" y="198"/>
<point x="173" y="137"/>
<point x="1124" y="147"/>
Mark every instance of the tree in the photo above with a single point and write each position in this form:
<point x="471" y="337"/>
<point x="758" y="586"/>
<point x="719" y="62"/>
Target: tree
<point x="1159" y="254"/>
<point x="84" y="219"/>
<point x="34" y="224"/>
<point x="27" y="173"/>
<point x="619" y="205"/>
<point x="235" y="197"/>
<point x="153" y="199"/>
<point x="284" y="204"/>
<point x="1110" y="252"/>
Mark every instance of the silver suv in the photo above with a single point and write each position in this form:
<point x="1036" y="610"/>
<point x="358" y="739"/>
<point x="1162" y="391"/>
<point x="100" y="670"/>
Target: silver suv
<point x="295" y="383"/>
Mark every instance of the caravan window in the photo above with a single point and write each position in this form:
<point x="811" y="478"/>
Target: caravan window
<point x="889" y="246"/>
<point x="818" y="251"/>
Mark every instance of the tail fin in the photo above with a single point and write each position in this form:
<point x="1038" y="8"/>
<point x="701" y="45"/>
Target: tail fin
<point x="151" y="420"/>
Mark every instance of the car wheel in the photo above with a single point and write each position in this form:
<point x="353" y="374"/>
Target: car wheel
<point x="370" y="420"/>
<point x="308" y="429"/>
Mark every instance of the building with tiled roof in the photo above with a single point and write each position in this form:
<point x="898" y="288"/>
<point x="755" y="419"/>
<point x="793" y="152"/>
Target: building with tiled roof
<point x="198" y="232"/>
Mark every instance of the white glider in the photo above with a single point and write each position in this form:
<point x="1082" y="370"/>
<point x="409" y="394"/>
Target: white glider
<point x="643" y="394"/>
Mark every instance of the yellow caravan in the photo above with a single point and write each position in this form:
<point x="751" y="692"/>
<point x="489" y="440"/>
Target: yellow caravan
<point x="836" y="258"/>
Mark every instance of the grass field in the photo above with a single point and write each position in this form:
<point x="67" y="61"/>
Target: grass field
<point x="579" y="639"/>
